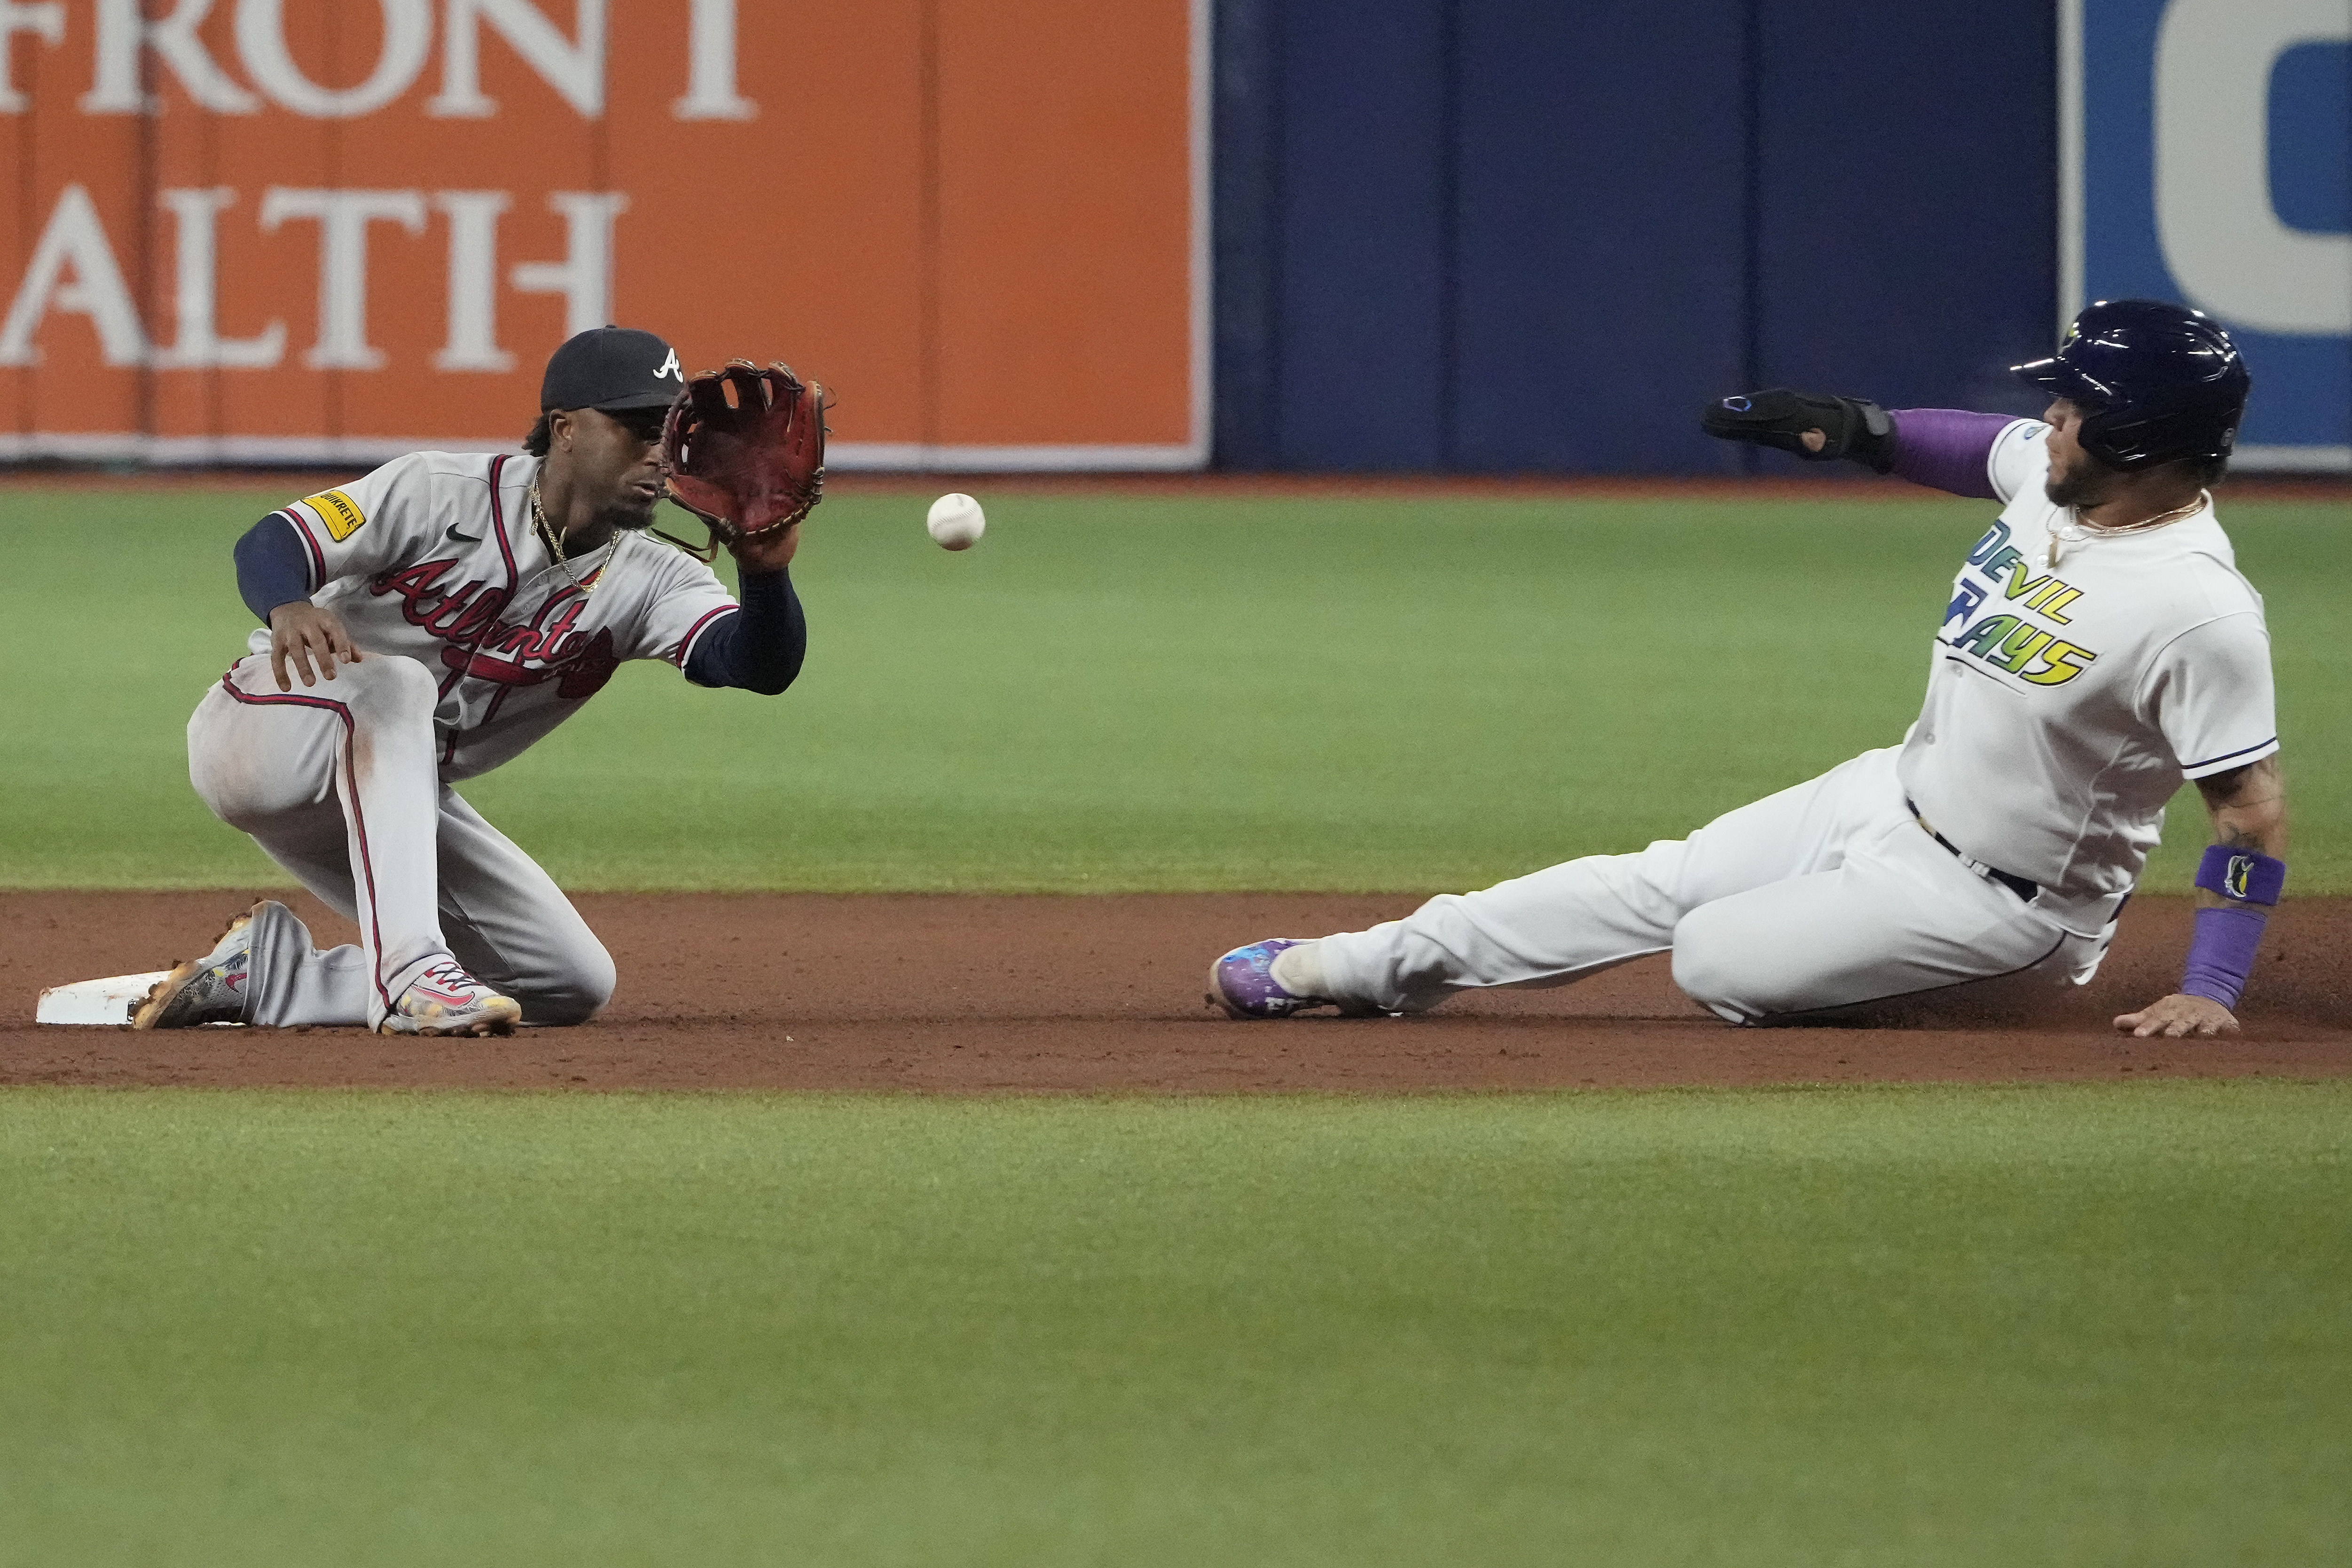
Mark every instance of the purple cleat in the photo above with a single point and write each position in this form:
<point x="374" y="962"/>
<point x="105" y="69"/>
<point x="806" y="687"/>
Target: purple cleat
<point x="1242" y="983"/>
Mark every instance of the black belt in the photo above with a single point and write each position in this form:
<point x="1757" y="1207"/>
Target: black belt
<point x="2024" y="889"/>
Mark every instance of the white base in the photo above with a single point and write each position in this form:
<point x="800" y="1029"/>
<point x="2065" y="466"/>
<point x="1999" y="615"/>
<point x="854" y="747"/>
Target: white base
<point x="108" y="1001"/>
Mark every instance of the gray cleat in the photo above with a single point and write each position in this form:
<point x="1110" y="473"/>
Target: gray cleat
<point x="207" y="990"/>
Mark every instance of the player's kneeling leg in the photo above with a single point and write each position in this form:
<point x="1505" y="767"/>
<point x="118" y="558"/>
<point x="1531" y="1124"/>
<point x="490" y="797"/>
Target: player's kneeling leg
<point x="508" y="922"/>
<point x="572" y="990"/>
<point x="553" y="965"/>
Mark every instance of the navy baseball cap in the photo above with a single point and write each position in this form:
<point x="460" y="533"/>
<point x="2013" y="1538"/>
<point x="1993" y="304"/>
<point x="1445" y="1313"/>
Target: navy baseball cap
<point x="612" y="369"/>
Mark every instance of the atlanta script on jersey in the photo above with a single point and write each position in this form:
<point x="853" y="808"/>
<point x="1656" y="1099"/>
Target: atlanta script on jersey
<point x="433" y="557"/>
<point x="2066" y="701"/>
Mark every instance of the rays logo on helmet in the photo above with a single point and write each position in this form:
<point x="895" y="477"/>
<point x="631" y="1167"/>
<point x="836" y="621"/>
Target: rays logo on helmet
<point x="1737" y="404"/>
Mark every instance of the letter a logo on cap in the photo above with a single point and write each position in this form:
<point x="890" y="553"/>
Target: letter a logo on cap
<point x="669" y="368"/>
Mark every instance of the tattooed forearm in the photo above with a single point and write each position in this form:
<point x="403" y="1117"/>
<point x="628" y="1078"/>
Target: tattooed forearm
<point x="2251" y="785"/>
<point x="2248" y="806"/>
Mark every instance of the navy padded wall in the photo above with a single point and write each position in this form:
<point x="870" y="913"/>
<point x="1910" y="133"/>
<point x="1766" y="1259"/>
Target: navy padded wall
<point x="1505" y="236"/>
<point x="1245" y="123"/>
<point x="1602" y="178"/>
<point x="1362" y="234"/>
<point x="1908" y="212"/>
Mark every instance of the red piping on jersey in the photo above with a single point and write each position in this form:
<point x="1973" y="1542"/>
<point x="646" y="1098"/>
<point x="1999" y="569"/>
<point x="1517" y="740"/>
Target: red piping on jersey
<point x="498" y="521"/>
<point x="514" y="584"/>
<point x="317" y="556"/>
<point x="352" y="786"/>
<point x="686" y="644"/>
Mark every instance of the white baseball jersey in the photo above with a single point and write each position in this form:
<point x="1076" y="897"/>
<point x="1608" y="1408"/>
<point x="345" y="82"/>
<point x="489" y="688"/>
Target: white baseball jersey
<point x="433" y="557"/>
<point x="2067" y="700"/>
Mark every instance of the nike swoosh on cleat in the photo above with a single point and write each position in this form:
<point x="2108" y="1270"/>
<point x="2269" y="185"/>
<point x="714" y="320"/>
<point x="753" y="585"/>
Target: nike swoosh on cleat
<point x="464" y="538"/>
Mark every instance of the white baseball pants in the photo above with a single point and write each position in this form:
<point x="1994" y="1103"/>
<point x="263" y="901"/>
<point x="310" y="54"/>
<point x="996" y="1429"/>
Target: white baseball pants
<point x="1824" y="895"/>
<point x="338" y="784"/>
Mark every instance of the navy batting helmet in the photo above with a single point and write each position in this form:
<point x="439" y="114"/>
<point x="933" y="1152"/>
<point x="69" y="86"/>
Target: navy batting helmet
<point x="2156" y="383"/>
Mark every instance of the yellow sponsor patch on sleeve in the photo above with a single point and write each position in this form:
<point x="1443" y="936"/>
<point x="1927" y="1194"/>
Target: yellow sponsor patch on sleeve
<point x="341" y="514"/>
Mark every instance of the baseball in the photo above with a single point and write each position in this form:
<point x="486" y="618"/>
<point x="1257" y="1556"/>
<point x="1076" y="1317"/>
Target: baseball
<point x="956" y="521"/>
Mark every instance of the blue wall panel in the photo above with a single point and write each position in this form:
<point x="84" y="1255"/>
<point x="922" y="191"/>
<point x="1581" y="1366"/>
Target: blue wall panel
<point x="1245" y="223"/>
<point x="1504" y="236"/>
<point x="1362" y="231"/>
<point x="1907" y="208"/>
<point x="1602" y="184"/>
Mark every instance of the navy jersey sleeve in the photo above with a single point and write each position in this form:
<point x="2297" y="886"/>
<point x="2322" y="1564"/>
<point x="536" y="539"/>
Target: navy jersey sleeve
<point x="757" y="647"/>
<point x="273" y="566"/>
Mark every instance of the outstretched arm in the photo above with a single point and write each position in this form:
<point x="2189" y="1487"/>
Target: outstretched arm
<point x="1947" y="449"/>
<point x="2237" y="886"/>
<point x="760" y="647"/>
<point x="1943" y="448"/>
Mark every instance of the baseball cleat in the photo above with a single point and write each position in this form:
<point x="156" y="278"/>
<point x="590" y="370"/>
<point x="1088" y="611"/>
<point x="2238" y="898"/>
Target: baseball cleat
<point x="207" y="990"/>
<point x="446" y="1000"/>
<point x="1242" y="983"/>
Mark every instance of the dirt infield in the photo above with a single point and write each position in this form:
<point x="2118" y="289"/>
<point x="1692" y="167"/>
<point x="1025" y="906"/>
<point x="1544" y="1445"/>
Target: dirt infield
<point x="969" y="993"/>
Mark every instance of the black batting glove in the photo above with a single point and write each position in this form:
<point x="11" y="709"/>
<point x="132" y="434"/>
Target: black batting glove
<point x="1851" y="427"/>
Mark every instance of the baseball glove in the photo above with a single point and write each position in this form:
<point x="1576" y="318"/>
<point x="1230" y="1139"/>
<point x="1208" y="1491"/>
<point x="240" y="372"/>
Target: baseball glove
<point x="1777" y="416"/>
<point x="745" y="448"/>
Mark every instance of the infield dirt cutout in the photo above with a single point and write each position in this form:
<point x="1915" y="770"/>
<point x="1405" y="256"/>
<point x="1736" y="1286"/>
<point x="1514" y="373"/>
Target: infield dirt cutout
<point x="979" y="993"/>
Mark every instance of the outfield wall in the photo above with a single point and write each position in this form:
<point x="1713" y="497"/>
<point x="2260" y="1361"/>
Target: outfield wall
<point x="1477" y="235"/>
<point x="1520" y="235"/>
<point x="1564" y="228"/>
<point x="333" y="230"/>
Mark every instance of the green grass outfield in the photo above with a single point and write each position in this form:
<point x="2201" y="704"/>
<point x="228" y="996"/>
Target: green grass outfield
<point x="2096" y="1325"/>
<point x="1142" y="693"/>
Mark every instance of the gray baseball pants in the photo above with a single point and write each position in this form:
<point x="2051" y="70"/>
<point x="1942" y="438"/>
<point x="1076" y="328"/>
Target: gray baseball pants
<point x="338" y="784"/>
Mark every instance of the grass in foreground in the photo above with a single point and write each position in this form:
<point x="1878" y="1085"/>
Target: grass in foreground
<point x="2089" y="1326"/>
<point x="1144" y="693"/>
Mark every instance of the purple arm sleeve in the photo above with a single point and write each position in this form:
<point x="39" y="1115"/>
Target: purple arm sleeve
<point x="1946" y="449"/>
<point x="2221" y="953"/>
<point x="271" y="568"/>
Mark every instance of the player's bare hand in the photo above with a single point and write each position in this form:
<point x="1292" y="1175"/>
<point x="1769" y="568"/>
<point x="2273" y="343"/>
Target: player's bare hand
<point x="1814" y="440"/>
<point x="771" y="551"/>
<point x="2178" y="1016"/>
<point x="309" y="641"/>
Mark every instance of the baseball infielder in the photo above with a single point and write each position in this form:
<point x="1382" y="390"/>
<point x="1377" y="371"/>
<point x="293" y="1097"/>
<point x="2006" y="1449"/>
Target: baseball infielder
<point x="2099" y="647"/>
<point x="423" y="626"/>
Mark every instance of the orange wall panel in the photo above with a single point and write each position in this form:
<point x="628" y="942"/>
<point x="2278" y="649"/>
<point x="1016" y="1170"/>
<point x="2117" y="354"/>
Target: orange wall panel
<point x="1065" y="208"/>
<point x="978" y="225"/>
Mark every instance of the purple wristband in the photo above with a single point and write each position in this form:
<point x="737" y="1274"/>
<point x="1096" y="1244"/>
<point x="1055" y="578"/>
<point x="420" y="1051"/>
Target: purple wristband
<point x="2221" y="953"/>
<point x="2242" y="876"/>
<point x="1947" y="448"/>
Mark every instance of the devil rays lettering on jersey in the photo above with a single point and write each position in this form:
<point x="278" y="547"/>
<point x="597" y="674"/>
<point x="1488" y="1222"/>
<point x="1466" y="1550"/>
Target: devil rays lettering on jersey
<point x="2066" y="701"/>
<point x="444" y="567"/>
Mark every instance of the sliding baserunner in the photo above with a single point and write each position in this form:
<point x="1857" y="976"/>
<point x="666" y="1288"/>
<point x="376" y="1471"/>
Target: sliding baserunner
<point x="2099" y="647"/>
<point x="423" y="626"/>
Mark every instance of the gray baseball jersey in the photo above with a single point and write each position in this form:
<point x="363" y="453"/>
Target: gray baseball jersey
<point x="433" y="556"/>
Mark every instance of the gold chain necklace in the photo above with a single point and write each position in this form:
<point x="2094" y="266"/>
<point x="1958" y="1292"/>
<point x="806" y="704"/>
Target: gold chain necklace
<point x="555" y="546"/>
<point x="2077" y="530"/>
